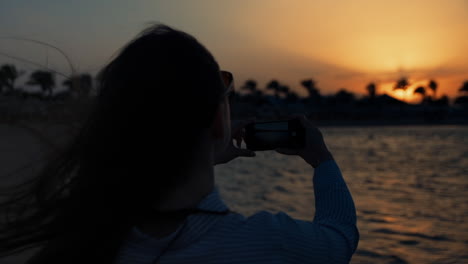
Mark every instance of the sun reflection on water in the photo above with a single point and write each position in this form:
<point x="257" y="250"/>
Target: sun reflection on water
<point x="409" y="186"/>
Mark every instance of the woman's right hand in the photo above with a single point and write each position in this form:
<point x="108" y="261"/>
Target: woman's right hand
<point x="315" y="151"/>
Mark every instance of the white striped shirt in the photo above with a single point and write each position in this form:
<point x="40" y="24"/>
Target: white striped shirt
<point x="332" y="236"/>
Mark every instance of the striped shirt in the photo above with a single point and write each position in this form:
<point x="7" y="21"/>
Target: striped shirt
<point x="332" y="236"/>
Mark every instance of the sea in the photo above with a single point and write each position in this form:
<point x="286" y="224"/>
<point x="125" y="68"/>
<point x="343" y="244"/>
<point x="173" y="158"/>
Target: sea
<point x="409" y="185"/>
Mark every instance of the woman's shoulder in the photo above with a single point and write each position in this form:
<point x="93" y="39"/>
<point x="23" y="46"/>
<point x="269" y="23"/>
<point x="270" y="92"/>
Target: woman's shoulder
<point x="262" y="221"/>
<point x="268" y="223"/>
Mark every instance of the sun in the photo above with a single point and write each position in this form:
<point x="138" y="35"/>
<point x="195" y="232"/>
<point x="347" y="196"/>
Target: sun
<point x="400" y="94"/>
<point x="407" y="95"/>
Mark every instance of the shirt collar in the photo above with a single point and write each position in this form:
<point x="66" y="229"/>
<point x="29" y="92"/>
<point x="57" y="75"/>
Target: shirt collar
<point x="212" y="202"/>
<point x="196" y="225"/>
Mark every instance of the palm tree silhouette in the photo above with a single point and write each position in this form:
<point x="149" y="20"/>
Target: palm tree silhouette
<point x="314" y="93"/>
<point x="402" y="84"/>
<point x="250" y="86"/>
<point x="463" y="99"/>
<point x="274" y="86"/>
<point x="284" y="89"/>
<point x="8" y="76"/>
<point x="433" y="86"/>
<point x="464" y="87"/>
<point x="372" y="91"/>
<point x="311" y="88"/>
<point x="421" y="91"/>
<point x="45" y="79"/>
<point x="80" y="85"/>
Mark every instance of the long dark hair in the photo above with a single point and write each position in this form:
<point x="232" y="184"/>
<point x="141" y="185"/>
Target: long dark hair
<point x="155" y="99"/>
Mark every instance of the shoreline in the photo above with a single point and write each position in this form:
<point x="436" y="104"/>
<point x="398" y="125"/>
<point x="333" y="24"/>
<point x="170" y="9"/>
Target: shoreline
<point x="383" y="123"/>
<point x="319" y="123"/>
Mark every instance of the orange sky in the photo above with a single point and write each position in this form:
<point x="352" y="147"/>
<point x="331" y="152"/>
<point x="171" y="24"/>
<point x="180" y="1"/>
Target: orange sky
<point x="339" y="43"/>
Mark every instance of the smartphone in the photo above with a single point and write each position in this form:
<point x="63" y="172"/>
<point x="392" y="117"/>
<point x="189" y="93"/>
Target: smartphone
<point x="274" y="134"/>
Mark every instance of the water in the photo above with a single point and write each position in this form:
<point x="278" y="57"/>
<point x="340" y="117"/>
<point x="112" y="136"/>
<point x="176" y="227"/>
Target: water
<point x="409" y="185"/>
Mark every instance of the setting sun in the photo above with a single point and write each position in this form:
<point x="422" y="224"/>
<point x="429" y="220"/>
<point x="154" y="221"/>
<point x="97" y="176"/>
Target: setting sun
<point x="357" y="42"/>
<point x="339" y="44"/>
<point x="336" y="131"/>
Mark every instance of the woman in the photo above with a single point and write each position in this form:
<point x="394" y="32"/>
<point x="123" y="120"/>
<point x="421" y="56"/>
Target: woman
<point x="137" y="184"/>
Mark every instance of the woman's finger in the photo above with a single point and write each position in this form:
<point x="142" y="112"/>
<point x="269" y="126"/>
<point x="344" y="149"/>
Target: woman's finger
<point x="238" y="125"/>
<point x="245" y="153"/>
<point x="238" y="141"/>
<point x="287" y="151"/>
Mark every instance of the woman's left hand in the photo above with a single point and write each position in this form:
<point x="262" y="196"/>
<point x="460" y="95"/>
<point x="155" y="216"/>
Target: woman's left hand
<point x="231" y="152"/>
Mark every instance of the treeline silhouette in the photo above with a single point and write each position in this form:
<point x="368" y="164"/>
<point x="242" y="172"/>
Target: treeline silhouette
<point x="275" y="100"/>
<point x="78" y="86"/>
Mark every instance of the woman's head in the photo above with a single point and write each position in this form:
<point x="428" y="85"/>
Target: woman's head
<point x="163" y="74"/>
<point x="163" y="84"/>
<point x="158" y="98"/>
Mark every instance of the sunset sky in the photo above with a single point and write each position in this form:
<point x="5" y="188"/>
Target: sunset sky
<point x="338" y="43"/>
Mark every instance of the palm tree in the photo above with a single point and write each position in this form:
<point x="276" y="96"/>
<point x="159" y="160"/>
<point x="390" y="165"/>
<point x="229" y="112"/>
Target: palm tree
<point x="8" y="76"/>
<point x="45" y="79"/>
<point x="314" y="93"/>
<point x="250" y="86"/>
<point x="463" y="99"/>
<point x="311" y="88"/>
<point x="464" y="87"/>
<point x="284" y="89"/>
<point x="371" y="90"/>
<point x="274" y="85"/>
<point x="80" y="85"/>
<point x="433" y="85"/>
<point x="402" y="84"/>
<point x="422" y="91"/>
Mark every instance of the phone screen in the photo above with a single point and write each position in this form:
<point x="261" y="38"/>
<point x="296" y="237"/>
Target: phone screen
<point x="276" y="126"/>
<point x="272" y="135"/>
